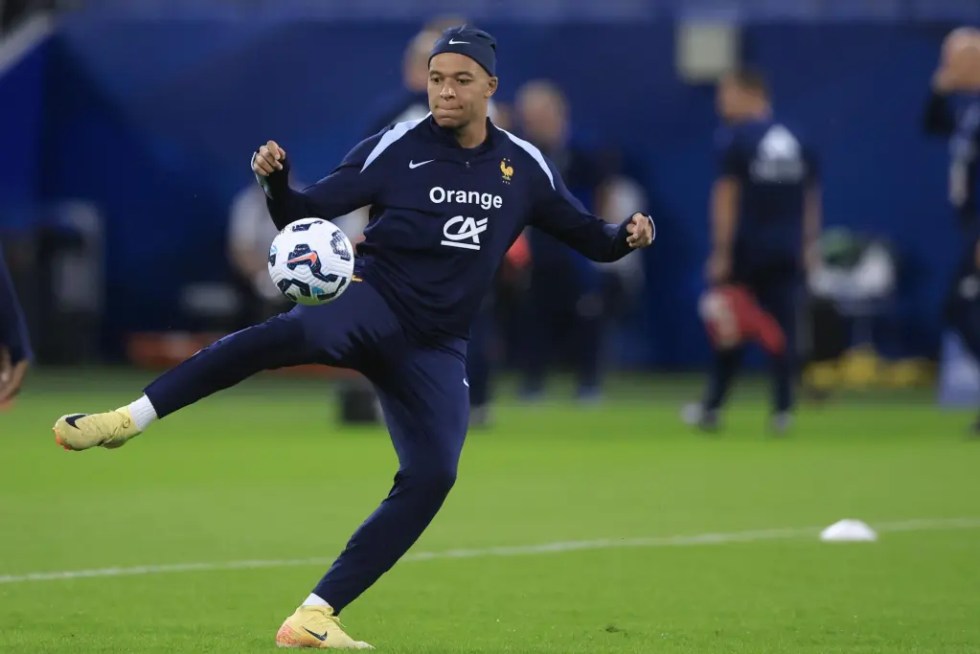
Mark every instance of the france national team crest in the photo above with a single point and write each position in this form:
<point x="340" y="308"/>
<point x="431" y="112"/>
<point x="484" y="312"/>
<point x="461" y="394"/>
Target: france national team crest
<point x="506" y="170"/>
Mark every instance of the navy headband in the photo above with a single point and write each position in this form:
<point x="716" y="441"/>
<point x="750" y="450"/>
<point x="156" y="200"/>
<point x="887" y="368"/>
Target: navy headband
<point x="470" y="42"/>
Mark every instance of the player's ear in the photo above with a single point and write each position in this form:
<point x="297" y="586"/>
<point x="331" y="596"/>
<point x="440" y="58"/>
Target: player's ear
<point x="491" y="87"/>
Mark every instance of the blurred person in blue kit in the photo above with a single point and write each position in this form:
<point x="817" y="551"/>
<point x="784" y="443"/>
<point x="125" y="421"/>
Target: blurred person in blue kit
<point x="953" y="112"/>
<point x="765" y="222"/>
<point x="15" y="346"/>
<point x="250" y="233"/>
<point x="963" y="302"/>
<point x="410" y="102"/>
<point x="564" y="302"/>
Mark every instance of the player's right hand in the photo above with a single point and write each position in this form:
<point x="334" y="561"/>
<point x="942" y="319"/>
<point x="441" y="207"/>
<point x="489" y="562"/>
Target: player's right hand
<point x="268" y="159"/>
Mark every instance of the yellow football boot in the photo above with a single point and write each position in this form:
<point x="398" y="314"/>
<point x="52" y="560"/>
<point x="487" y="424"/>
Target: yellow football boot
<point x="80" y="431"/>
<point x="316" y="627"/>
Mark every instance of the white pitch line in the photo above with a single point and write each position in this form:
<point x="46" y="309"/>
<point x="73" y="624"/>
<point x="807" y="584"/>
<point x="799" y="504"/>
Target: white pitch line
<point x="718" y="538"/>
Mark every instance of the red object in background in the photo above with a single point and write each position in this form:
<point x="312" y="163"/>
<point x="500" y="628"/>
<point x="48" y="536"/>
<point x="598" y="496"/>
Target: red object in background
<point x="732" y="317"/>
<point x="518" y="256"/>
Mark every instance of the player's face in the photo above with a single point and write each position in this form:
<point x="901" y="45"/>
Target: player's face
<point x="459" y="90"/>
<point x="730" y="100"/>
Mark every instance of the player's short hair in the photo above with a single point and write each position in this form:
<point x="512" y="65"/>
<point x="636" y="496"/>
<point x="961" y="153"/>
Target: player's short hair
<point x="752" y="80"/>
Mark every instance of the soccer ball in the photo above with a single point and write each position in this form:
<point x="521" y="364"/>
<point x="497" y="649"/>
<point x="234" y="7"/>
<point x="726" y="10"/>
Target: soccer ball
<point x="311" y="261"/>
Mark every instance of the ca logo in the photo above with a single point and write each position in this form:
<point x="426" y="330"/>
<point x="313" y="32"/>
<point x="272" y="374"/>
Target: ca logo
<point x="463" y="232"/>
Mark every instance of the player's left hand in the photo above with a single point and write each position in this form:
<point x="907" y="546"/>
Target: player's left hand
<point x="640" y="230"/>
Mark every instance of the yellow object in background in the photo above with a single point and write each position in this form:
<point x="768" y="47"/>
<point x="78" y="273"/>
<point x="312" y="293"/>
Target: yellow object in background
<point x="862" y="368"/>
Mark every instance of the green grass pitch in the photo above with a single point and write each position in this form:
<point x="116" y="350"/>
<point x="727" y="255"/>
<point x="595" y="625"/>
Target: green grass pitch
<point x="263" y="474"/>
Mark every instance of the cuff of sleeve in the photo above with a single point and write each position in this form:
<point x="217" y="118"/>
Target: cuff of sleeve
<point x="276" y="182"/>
<point x="622" y="234"/>
<point x="653" y="228"/>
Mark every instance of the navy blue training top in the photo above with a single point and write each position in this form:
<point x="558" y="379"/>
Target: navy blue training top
<point x="443" y="216"/>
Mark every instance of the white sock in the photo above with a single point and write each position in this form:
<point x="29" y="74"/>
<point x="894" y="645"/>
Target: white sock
<point x="143" y="412"/>
<point x="315" y="600"/>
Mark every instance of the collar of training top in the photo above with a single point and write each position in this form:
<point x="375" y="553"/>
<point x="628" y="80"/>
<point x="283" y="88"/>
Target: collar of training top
<point x="445" y="136"/>
<point x="470" y="42"/>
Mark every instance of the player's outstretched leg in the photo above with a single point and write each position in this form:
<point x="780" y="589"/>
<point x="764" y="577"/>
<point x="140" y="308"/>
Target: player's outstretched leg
<point x="274" y="343"/>
<point x="426" y="406"/>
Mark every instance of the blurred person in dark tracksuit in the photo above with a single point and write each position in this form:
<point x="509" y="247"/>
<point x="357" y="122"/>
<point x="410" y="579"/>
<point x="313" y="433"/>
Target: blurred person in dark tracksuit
<point x="963" y="301"/>
<point x="15" y="346"/>
<point x="250" y="233"/>
<point x="765" y="221"/>
<point x="564" y="298"/>
<point x="410" y="102"/>
<point x="953" y="111"/>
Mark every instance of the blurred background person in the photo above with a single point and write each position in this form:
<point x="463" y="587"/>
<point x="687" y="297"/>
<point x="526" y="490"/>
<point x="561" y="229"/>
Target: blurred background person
<point x="563" y="303"/>
<point x="963" y="304"/>
<point x="489" y="333"/>
<point x="765" y="221"/>
<point x="250" y="233"/>
<point x="953" y="111"/>
<point x="15" y="346"/>
<point x="410" y="102"/>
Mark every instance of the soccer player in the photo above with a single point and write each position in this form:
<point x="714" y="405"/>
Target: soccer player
<point x="953" y="111"/>
<point x="765" y="219"/>
<point x="15" y="347"/>
<point x="449" y="193"/>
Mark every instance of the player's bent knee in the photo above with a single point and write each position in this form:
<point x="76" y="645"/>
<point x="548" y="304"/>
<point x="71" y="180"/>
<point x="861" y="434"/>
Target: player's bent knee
<point x="436" y="478"/>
